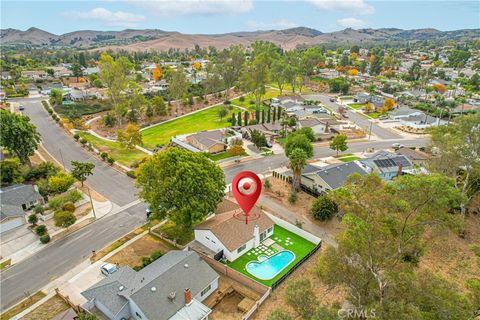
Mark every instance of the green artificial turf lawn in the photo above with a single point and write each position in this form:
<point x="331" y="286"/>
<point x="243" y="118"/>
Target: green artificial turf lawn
<point x="114" y="149"/>
<point x="301" y="247"/>
<point x="348" y="159"/>
<point x="357" y="105"/>
<point x="200" y="121"/>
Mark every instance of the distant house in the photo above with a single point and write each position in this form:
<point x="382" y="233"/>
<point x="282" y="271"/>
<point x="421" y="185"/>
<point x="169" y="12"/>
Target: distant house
<point x="321" y="129"/>
<point x="61" y="71"/>
<point x="34" y="74"/>
<point x="6" y="75"/>
<point x="91" y="70"/>
<point x="415" y="156"/>
<point x="387" y="165"/>
<point x="170" y="288"/>
<point x="47" y="89"/>
<point x="421" y="120"/>
<point x="208" y="141"/>
<point x="15" y="200"/>
<point x="228" y="235"/>
<point x="364" y="97"/>
<point x="270" y="130"/>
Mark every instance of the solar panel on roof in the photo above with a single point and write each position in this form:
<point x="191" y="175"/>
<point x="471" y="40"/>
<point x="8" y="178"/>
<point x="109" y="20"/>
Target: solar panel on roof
<point x="401" y="161"/>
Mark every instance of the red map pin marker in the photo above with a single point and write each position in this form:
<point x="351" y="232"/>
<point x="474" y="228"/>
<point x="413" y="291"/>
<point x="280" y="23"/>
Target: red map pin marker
<point x="246" y="188"/>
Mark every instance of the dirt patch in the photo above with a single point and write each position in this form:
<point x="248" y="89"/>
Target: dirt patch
<point x="327" y="297"/>
<point x="279" y="192"/>
<point x="227" y="308"/>
<point x="450" y="256"/>
<point x="116" y="244"/>
<point x="48" y="310"/>
<point x="95" y="195"/>
<point x="145" y="246"/>
<point x="22" y="305"/>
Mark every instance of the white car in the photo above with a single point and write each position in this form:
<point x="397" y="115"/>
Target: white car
<point x="108" y="268"/>
<point x="397" y="146"/>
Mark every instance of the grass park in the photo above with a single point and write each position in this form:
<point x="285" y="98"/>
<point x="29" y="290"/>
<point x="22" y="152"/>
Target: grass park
<point x="269" y="94"/>
<point x="203" y="120"/>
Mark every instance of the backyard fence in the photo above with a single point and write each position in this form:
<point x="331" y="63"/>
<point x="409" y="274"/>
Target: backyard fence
<point x="77" y="308"/>
<point x="257" y="304"/>
<point x="277" y="283"/>
<point x="173" y="243"/>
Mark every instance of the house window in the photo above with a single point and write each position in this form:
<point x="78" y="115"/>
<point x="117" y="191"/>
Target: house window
<point x="204" y="291"/>
<point x="241" y="248"/>
<point x="262" y="236"/>
<point x="138" y="315"/>
<point x="270" y="229"/>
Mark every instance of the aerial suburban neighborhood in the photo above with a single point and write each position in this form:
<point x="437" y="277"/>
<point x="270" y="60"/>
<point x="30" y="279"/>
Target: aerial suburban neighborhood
<point x="245" y="165"/>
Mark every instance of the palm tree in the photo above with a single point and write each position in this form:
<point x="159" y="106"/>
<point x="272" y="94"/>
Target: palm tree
<point x="298" y="160"/>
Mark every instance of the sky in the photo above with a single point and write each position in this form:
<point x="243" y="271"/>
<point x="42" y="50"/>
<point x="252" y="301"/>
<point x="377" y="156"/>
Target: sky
<point x="222" y="16"/>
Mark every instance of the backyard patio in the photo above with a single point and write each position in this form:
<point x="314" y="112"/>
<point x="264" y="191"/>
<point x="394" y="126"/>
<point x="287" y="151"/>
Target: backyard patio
<point x="282" y="240"/>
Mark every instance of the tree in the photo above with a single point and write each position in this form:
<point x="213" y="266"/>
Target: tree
<point x="298" y="140"/>
<point x="298" y="160"/>
<point x="255" y="76"/>
<point x="239" y="119"/>
<point x="352" y="72"/>
<point x="77" y="70"/>
<point x="339" y="143"/>
<point x="222" y="113"/>
<point x="440" y="88"/>
<point x="278" y="74"/>
<point x="159" y="106"/>
<point x="56" y="97"/>
<point x="258" y="138"/>
<point x="33" y="219"/>
<point x="18" y="135"/>
<point x="300" y="296"/>
<point x="308" y="132"/>
<point x="388" y="104"/>
<point x="324" y="208"/>
<point x="64" y="219"/>
<point x="182" y="185"/>
<point x="130" y="137"/>
<point x="60" y="182"/>
<point x="157" y="73"/>
<point x="236" y="150"/>
<point x="457" y="146"/>
<point x="178" y="84"/>
<point x="278" y="314"/>
<point x="10" y="171"/>
<point x="384" y="225"/>
<point x="80" y="170"/>
<point x="245" y="118"/>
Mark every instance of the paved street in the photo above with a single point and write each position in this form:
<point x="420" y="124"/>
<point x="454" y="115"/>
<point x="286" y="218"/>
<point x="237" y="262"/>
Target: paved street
<point x="57" y="258"/>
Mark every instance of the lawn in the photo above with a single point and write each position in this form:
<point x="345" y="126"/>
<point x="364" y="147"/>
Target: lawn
<point x="269" y="94"/>
<point x="200" y="121"/>
<point x="219" y="156"/>
<point x="48" y="310"/>
<point x="114" y="149"/>
<point x="23" y="305"/>
<point x="301" y="247"/>
<point x="77" y="110"/>
<point x="343" y="155"/>
<point x="5" y="264"/>
<point x="373" y="115"/>
<point x="170" y="231"/>
<point x="349" y="159"/>
<point x="357" y="106"/>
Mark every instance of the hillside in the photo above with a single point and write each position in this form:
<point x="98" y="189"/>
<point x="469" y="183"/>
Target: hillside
<point x="134" y="40"/>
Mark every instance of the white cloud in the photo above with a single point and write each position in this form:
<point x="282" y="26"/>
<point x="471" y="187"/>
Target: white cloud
<point x="109" y="18"/>
<point x="195" y="7"/>
<point x="351" y="23"/>
<point x="274" y="25"/>
<point x="352" y="6"/>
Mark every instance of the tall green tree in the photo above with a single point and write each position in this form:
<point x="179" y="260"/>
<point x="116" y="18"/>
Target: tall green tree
<point x="10" y="171"/>
<point x="181" y="185"/>
<point x="81" y="170"/>
<point x="298" y="160"/>
<point x="339" y="143"/>
<point x="159" y="106"/>
<point x="298" y="140"/>
<point x="256" y="76"/>
<point x="18" y="135"/>
<point x="258" y="138"/>
<point x="178" y="84"/>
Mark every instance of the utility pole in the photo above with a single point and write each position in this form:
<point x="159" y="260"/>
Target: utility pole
<point x="91" y="202"/>
<point x="61" y="156"/>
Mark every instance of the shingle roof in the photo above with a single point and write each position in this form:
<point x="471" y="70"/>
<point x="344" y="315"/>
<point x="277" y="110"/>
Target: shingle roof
<point x="173" y="272"/>
<point x="233" y="232"/>
<point x="412" y="154"/>
<point x="19" y="194"/>
<point x="336" y="174"/>
<point x="209" y="138"/>
<point x="7" y="211"/>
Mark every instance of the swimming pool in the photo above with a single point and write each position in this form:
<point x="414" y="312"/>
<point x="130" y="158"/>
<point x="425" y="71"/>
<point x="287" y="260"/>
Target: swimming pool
<point x="269" y="268"/>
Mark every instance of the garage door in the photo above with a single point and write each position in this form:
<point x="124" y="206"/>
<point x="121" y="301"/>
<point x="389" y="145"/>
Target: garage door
<point x="10" y="224"/>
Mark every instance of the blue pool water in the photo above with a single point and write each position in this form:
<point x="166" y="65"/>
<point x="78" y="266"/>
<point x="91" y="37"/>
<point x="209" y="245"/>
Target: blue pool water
<point x="268" y="268"/>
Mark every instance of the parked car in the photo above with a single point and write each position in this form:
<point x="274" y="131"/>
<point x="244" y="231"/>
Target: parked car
<point x="332" y="99"/>
<point x="382" y="118"/>
<point x="108" y="268"/>
<point x="397" y="146"/>
<point x="269" y="145"/>
<point x="345" y="115"/>
<point x="21" y="107"/>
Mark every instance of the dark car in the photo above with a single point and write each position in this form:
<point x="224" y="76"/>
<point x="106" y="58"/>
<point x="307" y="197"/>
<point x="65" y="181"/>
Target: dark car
<point x="332" y="99"/>
<point x="21" y="107"/>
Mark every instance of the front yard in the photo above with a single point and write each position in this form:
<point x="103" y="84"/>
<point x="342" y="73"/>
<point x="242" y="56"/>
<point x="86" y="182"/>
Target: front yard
<point x="114" y="149"/>
<point x="203" y="120"/>
<point x="284" y="240"/>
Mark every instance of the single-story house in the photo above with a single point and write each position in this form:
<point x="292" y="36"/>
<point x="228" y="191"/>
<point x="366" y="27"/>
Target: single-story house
<point x="15" y="200"/>
<point x="91" y="70"/>
<point x="61" y="71"/>
<point x="387" y="165"/>
<point x="6" y="75"/>
<point x="321" y="129"/>
<point x="227" y="234"/>
<point x="208" y="141"/>
<point x="34" y="74"/>
<point x="421" y="120"/>
<point x="172" y="287"/>
<point x="416" y="157"/>
<point x="270" y="130"/>
<point x="364" y="97"/>
<point x="46" y="89"/>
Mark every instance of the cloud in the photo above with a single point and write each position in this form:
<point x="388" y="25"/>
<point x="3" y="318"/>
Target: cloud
<point x="274" y="25"/>
<point x="194" y="7"/>
<point x="351" y="23"/>
<point x="109" y="18"/>
<point x="352" y="6"/>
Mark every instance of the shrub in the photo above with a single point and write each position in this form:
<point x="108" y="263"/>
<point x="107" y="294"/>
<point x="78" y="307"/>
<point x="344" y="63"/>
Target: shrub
<point x="56" y="203"/>
<point x="73" y="196"/>
<point x="241" y="99"/>
<point x="324" y="208"/>
<point x="43" y="170"/>
<point x="33" y="219"/>
<point x="64" y="219"/>
<point x="76" y="136"/>
<point x="157" y="254"/>
<point x="69" y="206"/>
<point x="104" y="156"/>
<point x="39" y="209"/>
<point x="267" y="184"/>
<point x="253" y="121"/>
<point x="40" y="230"/>
<point x="293" y="197"/>
<point x="131" y="174"/>
<point x="45" y="238"/>
<point x="83" y="141"/>
<point x="251" y="102"/>
<point x="227" y="102"/>
<point x="60" y="182"/>
<point x="50" y="111"/>
<point x="110" y="160"/>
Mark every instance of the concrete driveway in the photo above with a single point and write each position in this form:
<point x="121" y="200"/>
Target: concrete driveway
<point x="15" y="240"/>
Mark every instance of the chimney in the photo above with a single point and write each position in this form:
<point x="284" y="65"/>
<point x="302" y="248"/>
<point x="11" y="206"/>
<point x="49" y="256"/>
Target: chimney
<point x="327" y="129"/>
<point x="400" y="168"/>
<point x="256" y="235"/>
<point x="188" y="296"/>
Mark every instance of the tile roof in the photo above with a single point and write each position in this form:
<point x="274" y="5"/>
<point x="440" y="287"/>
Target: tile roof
<point x="233" y="232"/>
